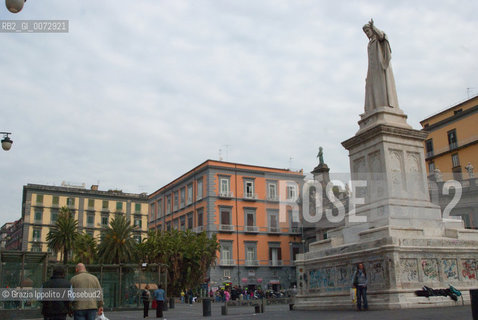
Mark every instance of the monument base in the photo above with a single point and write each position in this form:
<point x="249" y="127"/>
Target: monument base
<point x="396" y="267"/>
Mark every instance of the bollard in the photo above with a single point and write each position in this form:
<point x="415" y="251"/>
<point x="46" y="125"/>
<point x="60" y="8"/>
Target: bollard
<point x="224" y="309"/>
<point x="474" y="303"/>
<point x="171" y="303"/>
<point x="257" y="308"/>
<point x="206" y="307"/>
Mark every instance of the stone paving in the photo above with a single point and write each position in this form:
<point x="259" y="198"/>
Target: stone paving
<point x="281" y="312"/>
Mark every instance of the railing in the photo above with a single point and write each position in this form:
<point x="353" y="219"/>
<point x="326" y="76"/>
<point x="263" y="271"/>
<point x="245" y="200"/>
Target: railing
<point x="250" y="196"/>
<point x="275" y="263"/>
<point x="227" y="262"/>
<point x="265" y="263"/>
<point x="274" y="230"/>
<point x="251" y="263"/>
<point x="226" y="227"/>
<point x="251" y="229"/>
<point x="272" y="198"/>
<point x="430" y="154"/>
<point x="226" y="194"/>
<point x="453" y="145"/>
<point x="198" y="229"/>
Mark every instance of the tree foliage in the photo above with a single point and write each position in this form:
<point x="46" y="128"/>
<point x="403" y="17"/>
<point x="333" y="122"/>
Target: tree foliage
<point x="63" y="233"/>
<point x="188" y="256"/>
<point x="117" y="244"/>
<point x="86" y="249"/>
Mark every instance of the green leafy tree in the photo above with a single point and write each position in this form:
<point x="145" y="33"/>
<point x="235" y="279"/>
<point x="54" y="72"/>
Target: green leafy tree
<point x="188" y="256"/>
<point x="63" y="234"/>
<point x="117" y="244"/>
<point x="86" y="249"/>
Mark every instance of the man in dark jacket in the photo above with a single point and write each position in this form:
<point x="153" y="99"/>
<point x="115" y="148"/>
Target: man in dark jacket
<point x="56" y="310"/>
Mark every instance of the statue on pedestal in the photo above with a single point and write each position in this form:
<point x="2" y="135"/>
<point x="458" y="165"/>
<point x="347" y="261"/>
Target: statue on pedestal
<point x="469" y="168"/>
<point x="380" y="90"/>
<point x="320" y="155"/>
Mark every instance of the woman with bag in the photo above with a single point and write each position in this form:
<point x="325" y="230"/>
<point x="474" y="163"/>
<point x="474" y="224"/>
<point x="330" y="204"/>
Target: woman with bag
<point x="146" y="296"/>
<point x="360" y="283"/>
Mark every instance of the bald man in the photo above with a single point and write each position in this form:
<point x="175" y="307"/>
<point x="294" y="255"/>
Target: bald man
<point x="86" y="309"/>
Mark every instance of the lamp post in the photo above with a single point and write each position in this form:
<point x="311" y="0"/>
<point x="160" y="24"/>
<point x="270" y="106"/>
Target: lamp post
<point x="6" y="141"/>
<point x="14" y="6"/>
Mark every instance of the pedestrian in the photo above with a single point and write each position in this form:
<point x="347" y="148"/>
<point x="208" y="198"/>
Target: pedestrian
<point x="360" y="283"/>
<point x="159" y="296"/>
<point x="190" y="296"/>
<point x="86" y="309"/>
<point x="56" y="310"/>
<point x="182" y="296"/>
<point x="146" y="296"/>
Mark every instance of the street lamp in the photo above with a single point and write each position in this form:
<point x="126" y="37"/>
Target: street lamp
<point x="15" y="6"/>
<point x="6" y="141"/>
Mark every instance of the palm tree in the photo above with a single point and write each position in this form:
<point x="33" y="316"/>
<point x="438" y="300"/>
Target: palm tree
<point x="117" y="244"/>
<point x="63" y="234"/>
<point x="85" y="249"/>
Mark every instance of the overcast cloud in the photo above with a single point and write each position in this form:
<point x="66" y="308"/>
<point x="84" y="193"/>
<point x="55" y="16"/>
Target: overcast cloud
<point x="139" y="92"/>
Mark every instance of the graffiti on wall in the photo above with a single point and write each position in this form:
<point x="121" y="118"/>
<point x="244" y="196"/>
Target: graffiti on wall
<point x="430" y="270"/>
<point x="343" y="278"/>
<point x="450" y="269"/>
<point x="408" y="270"/>
<point x="468" y="270"/>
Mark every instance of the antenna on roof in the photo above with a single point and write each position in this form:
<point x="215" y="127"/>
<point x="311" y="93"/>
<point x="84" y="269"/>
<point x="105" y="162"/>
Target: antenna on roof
<point x="220" y="154"/>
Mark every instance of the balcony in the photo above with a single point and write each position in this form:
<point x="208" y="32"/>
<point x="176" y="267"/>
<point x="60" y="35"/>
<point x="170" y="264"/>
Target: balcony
<point x="227" y="262"/>
<point x="296" y="230"/>
<point x="198" y="229"/>
<point x="251" y="229"/>
<point x="226" y="195"/>
<point x="274" y="230"/>
<point x="430" y="154"/>
<point x="274" y="198"/>
<point x="453" y="145"/>
<point x="251" y="263"/>
<point x="226" y="227"/>
<point x="250" y="196"/>
<point x="276" y="263"/>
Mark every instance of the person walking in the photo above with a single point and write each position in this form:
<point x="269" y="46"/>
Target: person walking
<point x="56" y="310"/>
<point x="159" y="296"/>
<point x="146" y="296"/>
<point x="86" y="309"/>
<point x="360" y="283"/>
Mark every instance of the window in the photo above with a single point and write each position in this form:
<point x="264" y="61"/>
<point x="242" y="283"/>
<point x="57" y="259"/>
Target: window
<point x="168" y="226"/>
<point x="182" y="223"/>
<point x="200" y="217"/>
<point x="38" y="215"/>
<point x="251" y="253"/>
<point x="225" y="216"/>
<point x="190" y="194"/>
<point x="275" y="255"/>
<point x="175" y="224"/>
<point x="168" y="204"/>
<point x="119" y="206"/>
<point x="137" y="208"/>
<point x="54" y="216"/>
<point x="455" y="160"/>
<point x="249" y="189"/>
<point x="457" y="111"/>
<point x="226" y="253"/>
<point x="273" y="221"/>
<point x="90" y="220"/>
<point x="272" y="191"/>
<point x="36" y="235"/>
<point x="294" y="222"/>
<point x="295" y="252"/>
<point x="56" y="200"/>
<point x="250" y="220"/>
<point x="429" y="147"/>
<point x="39" y="198"/>
<point x="176" y="201"/>
<point x="105" y="205"/>
<point x="190" y="220"/>
<point x="137" y="238"/>
<point x="291" y="192"/>
<point x="227" y="273"/>
<point x="199" y="190"/>
<point x="91" y="203"/>
<point x="36" y="247"/>
<point x="138" y="222"/>
<point x="160" y="208"/>
<point x="70" y="202"/>
<point x="183" y="197"/>
<point x="224" y="186"/>
<point x="152" y="215"/>
<point x="104" y="221"/>
<point x="90" y="233"/>
<point x="452" y="139"/>
<point x="431" y="167"/>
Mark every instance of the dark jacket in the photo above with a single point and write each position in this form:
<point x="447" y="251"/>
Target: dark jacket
<point x="51" y="308"/>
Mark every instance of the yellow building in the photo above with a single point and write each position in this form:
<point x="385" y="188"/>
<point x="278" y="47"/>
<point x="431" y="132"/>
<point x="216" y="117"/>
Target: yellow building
<point x="94" y="209"/>
<point x="452" y="143"/>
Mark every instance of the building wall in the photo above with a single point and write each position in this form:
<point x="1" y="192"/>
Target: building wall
<point x="233" y="232"/>
<point x="42" y="203"/>
<point x="462" y="118"/>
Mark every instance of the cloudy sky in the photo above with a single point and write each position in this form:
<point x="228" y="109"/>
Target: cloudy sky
<point x="139" y="92"/>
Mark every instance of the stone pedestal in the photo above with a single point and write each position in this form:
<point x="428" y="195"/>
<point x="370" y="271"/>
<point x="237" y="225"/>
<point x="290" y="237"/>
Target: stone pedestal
<point x="403" y="240"/>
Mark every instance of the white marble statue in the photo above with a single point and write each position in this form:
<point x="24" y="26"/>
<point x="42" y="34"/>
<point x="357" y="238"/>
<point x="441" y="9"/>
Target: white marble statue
<point x="380" y="90"/>
<point x="438" y="175"/>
